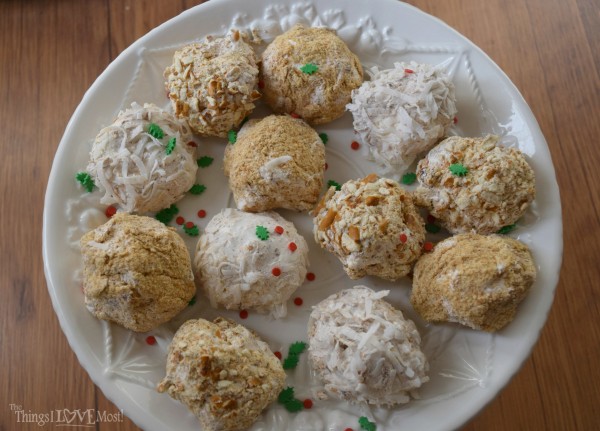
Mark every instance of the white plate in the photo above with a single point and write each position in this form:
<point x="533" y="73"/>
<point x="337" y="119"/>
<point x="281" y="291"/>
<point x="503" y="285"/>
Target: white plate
<point x="468" y="368"/>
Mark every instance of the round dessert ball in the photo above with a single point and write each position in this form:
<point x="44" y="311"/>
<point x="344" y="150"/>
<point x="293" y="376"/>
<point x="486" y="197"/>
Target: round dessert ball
<point x="372" y="226"/>
<point x="224" y="373"/>
<point x="310" y="72"/>
<point x="142" y="161"/>
<point x="402" y="112"/>
<point x="474" y="280"/>
<point x="213" y="84"/>
<point x="136" y="272"/>
<point x="277" y="162"/>
<point x="474" y="184"/>
<point x="250" y="261"/>
<point x="364" y="350"/>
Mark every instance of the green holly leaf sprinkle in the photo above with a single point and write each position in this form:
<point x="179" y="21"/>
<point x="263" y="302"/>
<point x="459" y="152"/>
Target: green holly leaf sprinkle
<point x="409" y="178"/>
<point x="85" y="180"/>
<point x="197" y="189"/>
<point x="294" y="352"/>
<point x="366" y="424"/>
<point x="204" y="161"/>
<point x="297" y="348"/>
<point x="309" y="68"/>
<point x="458" y="169"/>
<point x="191" y="231"/>
<point x="167" y="214"/>
<point x="286" y="395"/>
<point x="170" y="146"/>
<point x="324" y="138"/>
<point x="192" y="301"/>
<point x="332" y="183"/>
<point x="232" y="136"/>
<point x="432" y="228"/>
<point x="155" y="131"/>
<point x="262" y="233"/>
<point x="294" y="406"/>
<point x="290" y="362"/>
<point x="506" y="229"/>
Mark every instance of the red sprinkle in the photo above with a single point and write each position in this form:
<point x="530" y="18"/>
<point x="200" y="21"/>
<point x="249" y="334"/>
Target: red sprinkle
<point x="307" y="403"/>
<point x="110" y="211"/>
<point x="409" y="71"/>
<point x="292" y="246"/>
<point x="276" y="272"/>
<point x="348" y="429"/>
<point x="189" y="225"/>
<point x="279" y="230"/>
<point x="455" y="120"/>
<point x="261" y="84"/>
<point x="278" y="354"/>
<point x="151" y="340"/>
<point x="298" y="301"/>
<point x="192" y="144"/>
<point x="294" y="115"/>
<point x="428" y="246"/>
<point x="201" y="213"/>
<point x="180" y="220"/>
<point x="310" y="276"/>
<point x="403" y="238"/>
<point x="430" y="219"/>
<point x="355" y="145"/>
<point x="326" y="166"/>
<point x="244" y="314"/>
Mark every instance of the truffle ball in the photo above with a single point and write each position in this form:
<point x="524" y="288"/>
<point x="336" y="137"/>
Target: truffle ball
<point x="310" y="72"/>
<point x="142" y="161"/>
<point x="136" y="272"/>
<point x="402" y="112"/>
<point x="474" y="184"/>
<point x="250" y="261"/>
<point x="475" y="280"/>
<point x="224" y="373"/>
<point x="213" y="84"/>
<point x="277" y="162"/>
<point x="364" y="350"/>
<point x="372" y="226"/>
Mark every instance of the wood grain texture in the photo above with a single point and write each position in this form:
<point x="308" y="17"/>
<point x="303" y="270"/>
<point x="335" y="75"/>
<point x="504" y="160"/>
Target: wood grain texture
<point x="51" y="52"/>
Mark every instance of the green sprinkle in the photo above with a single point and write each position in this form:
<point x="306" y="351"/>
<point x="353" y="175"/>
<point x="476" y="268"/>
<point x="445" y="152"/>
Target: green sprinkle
<point x="232" y="136"/>
<point x="297" y="348"/>
<point x="85" y="180"/>
<point x="167" y="214"/>
<point x="191" y="231"/>
<point x="204" y="161"/>
<point x="170" y="146"/>
<point x="458" y="169"/>
<point x="294" y="406"/>
<point x="197" y="189"/>
<point x="291" y="362"/>
<point x="432" y="228"/>
<point x="309" y="68"/>
<point x="262" y="233"/>
<point x="409" y="178"/>
<point x="506" y="229"/>
<point x="324" y="138"/>
<point x="332" y="183"/>
<point x="293" y="357"/>
<point x="366" y="424"/>
<point x="192" y="301"/>
<point x="155" y="131"/>
<point x="286" y="395"/>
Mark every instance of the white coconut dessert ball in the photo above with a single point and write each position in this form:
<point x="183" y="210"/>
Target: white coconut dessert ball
<point x="402" y="112"/>
<point x="250" y="261"/>
<point x="364" y="350"/>
<point x="142" y="162"/>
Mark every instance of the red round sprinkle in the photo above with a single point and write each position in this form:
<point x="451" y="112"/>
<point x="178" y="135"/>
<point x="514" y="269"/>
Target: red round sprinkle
<point x="180" y="220"/>
<point x="244" y="314"/>
<point x="189" y="225"/>
<point x="192" y="144"/>
<point x="307" y="403"/>
<point x="276" y="272"/>
<point x="310" y="276"/>
<point x="430" y="219"/>
<point x="348" y="429"/>
<point x="409" y="71"/>
<point x="298" y="301"/>
<point x="403" y="238"/>
<point x="151" y="340"/>
<point x="278" y="354"/>
<point x="261" y="84"/>
<point x="292" y="246"/>
<point x="294" y="115"/>
<point x="455" y="120"/>
<point x="355" y="145"/>
<point x="326" y="166"/>
<point x="110" y="211"/>
<point x="201" y="213"/>
<point x="428" y="246"/>
<point x="279" y="230"/>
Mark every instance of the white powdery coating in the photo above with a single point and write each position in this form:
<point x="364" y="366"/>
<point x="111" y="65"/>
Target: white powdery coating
<point x="234" y="267"/>
<point x="364" y="349"/>
<point x="132" y="167"/>
<point x="401" y="114"/>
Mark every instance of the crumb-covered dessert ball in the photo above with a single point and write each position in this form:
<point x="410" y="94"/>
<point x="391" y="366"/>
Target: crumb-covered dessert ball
<point x="310" y="72"/>
<point x="136" y="272"/>
<point x="372" y="226"/>
<point x="224" y="373"/>
<point x="213" y="84"/>
<point x="364" y="350"/>
<point x="277" y="162"/>
<point x="250" y="261"/>
<point x="474" y="280"/>
<point x="402" y="112"/>
<point x="474" y="184"/>
<point x="142" y="162"/>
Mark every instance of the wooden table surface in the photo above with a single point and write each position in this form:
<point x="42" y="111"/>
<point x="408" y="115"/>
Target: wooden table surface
<point x="50" y="53"/>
